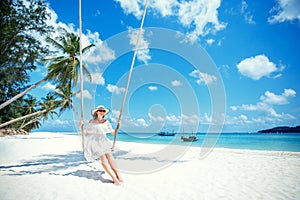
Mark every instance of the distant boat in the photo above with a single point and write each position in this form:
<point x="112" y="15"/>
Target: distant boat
<point x="164" y="133"/>
<point x="191" y="138"/>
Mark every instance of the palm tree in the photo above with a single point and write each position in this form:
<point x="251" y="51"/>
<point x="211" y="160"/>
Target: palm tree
<point x="65" y="95"/>
<point x="62" y="69"/>
<point x="32" y="124"/>
<point x="50" y="103"/>
<point x="61" y="98"/>
<point x="47" y="108"/>
<point x="30" y="105"/>
<point x="22" y="93"/>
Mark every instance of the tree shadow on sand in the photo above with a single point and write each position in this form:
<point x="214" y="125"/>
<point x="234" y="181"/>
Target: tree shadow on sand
<point x="59" y="165"/>
<point x="75" y="164"/>
<point x="46" y="163"/>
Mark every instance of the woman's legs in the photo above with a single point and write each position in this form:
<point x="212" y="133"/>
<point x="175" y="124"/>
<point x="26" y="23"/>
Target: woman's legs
<point x="108" y="170"/>
<point x="113" y="166"/>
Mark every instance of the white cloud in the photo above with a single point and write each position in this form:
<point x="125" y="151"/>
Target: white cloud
<point x="176" y="120"/>
<point x="234" y="108"/>
<point x="206" y="119"/>
<point x="260" y="107"/>
<point x="164" y="7"/>
<point x="156" y="118"/>
<point x="272" y="98"/>
<point x="203" y="77"/>
<point x="152" y="88"/>
<point x="286" y="10"/>
<point x="114" y="116"/>
<point x="202" y="15"/>
<point x="259" y="121"/>
<point x="49" y="87"/>
<point x="277" y="76"/>
<point x="266" y="104"/>
<point x="238" y="120"/>
<point x="247" y="15"/>
<point x="176" y="83"/>
<point x="173" y="119"/>
<point x="141" y="122"/>
<point x="243" y="117"/>
<point x="244" y="6"/>
<point x="97" y="78"/>
<point x="86" y="94"/>
<point x="98" y="13"/>
<point x="199" y="16"/>
<point x="143" y="45"/>
<point x="100" y="53"/>
<point x="256" y="67"/>
<point x="114" y="89"/>
<point x="210" y="41"/>
<point x="190" y="119"/>
<point x="132" y="7"/>
<point x="62" y="122"/>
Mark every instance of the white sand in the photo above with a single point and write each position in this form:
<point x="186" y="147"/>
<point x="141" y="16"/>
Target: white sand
<point x="51" y="166"/>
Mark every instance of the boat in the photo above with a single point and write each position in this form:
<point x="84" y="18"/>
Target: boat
<point x="191" y="138"/>
<point x="164" y="133"/>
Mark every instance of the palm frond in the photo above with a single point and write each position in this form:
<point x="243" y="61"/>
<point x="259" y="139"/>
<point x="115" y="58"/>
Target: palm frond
<point x="86" y="72"/>
<point x="55" y="43"/>
<point x="87" y="48"/>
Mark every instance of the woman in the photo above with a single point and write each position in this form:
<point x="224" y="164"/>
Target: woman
<point x="97" y="145"/>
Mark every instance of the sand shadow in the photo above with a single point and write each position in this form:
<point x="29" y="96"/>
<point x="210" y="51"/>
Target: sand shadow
<point x="46" y="163"/>
<point x="92" y="174"/>
<point x="58" y="165"/>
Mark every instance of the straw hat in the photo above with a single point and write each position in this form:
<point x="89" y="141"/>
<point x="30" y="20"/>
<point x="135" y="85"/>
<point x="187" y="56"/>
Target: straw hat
<point x="100" y="107"/>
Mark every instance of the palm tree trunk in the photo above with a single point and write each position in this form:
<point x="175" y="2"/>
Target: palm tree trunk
<point x="21" y="118"/>
<point x="31" y="121"/>
<point x="22" y="93"/>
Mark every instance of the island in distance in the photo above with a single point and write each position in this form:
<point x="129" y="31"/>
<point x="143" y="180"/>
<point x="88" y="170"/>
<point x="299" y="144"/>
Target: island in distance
<point x="282" y="129"/>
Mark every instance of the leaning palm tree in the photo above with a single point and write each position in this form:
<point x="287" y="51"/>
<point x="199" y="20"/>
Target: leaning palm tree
<point x="50" y="103"/>
<point x="34" y="123"/>
<point x="47" y="108"/>
<point x="30" y="105"/>
<point x="65" y="94"/>
<point x="62" y="97"/>
<point x="61" y="69"/>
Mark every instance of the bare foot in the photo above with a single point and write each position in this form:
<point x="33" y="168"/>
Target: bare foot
<point x="120" y="179"/>
<point x="116" y="182"/>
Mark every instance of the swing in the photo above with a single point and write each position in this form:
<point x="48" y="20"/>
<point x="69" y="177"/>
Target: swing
<point x="129" y="75"/>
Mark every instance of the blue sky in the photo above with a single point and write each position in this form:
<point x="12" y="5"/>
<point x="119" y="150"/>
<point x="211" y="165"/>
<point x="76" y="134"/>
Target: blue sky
<point x="204" y="65"/>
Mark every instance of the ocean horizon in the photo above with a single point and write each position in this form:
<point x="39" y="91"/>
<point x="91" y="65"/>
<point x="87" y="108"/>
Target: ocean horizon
<point x="247" y="141"/>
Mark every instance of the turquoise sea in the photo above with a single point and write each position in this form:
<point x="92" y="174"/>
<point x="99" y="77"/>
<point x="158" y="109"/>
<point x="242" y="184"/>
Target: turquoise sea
<point x="253" y="141"/>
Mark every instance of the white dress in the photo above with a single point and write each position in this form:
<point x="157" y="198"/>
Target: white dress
<point x="96" y="142"/>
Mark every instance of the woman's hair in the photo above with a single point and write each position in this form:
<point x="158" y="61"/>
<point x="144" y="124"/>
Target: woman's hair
<point x="95" y="116"/>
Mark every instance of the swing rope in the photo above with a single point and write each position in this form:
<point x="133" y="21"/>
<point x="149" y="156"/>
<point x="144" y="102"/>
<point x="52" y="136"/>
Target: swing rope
<point x="81" y="75"/>
<point x="130" y="73"/>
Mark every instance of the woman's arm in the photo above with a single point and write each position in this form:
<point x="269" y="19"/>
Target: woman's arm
<point x="81" y="124"/>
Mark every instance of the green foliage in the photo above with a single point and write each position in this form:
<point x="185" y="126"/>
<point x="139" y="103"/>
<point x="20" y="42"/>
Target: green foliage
<point x="64" y="69"/>
<point x="19" y="49"/>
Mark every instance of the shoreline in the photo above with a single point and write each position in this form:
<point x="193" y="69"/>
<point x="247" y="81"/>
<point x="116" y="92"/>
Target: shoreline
<point x="51" y="166"/>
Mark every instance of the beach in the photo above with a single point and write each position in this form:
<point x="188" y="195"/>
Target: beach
<point x="52" y="166"/>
